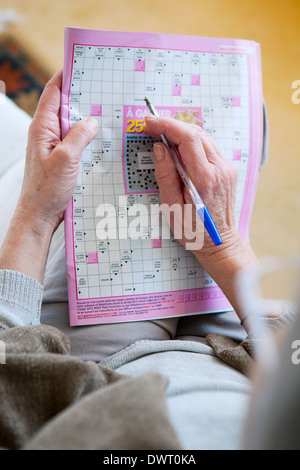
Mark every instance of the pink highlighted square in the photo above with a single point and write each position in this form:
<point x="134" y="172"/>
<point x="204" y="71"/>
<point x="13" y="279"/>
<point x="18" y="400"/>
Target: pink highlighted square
<point x="195" y="80"/>
<point x="140" y="66"/>
<point x="176" y="90"/>
<point x="156" y="243"/>
<point x="236" y="101"/>
<point x="96" y="110"/>
<point x="237" y="154"/>
<point x="92" y="258"/>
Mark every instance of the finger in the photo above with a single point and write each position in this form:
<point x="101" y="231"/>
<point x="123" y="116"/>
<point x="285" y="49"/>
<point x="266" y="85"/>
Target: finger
<point x="167" y="177"/>
<point x="211" y="148"/>
<point x="49" y="103"/>
<point x="78" y="138"/>
<point x="189" y="143"/>
<point x="186" y="136"/>
<point x="212" y="151"/>
<point x="197" y="149"/>
<point x="170" y="188"/>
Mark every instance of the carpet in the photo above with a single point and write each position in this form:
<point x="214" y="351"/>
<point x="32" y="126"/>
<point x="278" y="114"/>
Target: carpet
<point x="24" y="79"/>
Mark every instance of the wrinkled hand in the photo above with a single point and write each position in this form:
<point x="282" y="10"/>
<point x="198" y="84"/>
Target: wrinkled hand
<point x="213" y="176"/>
<point x="52" y="164"/>
<point x="215" y="179"/>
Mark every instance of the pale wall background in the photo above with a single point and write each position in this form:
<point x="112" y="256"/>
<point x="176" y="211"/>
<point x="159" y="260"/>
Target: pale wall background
<point x="272" y="23"/>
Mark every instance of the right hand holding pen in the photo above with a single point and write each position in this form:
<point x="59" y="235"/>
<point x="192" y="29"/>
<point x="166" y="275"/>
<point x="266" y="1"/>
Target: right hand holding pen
<point x="213" y="176"/>
<point x="215" y="179"/>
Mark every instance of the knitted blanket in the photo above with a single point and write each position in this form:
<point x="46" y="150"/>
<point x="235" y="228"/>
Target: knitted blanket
<point x="51" y="400"/>
<point x="242" y="356"/>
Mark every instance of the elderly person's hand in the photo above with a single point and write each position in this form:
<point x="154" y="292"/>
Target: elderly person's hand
<point x="52" y="164"/>
<point x="51" y="170"/>
<point x="215" y="179"/>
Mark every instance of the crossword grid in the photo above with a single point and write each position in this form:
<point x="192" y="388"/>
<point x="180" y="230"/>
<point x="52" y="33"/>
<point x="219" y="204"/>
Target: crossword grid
<point x="104" y="80"/>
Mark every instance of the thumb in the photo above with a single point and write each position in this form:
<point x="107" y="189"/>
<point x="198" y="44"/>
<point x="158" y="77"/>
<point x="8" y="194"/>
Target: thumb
<point x="166" y="175"/>
<point x="79" y="137"/>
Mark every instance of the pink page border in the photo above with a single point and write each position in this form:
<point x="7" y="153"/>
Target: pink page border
<point x="171" y="42"/>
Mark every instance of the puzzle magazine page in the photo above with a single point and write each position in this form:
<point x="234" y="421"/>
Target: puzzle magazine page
<point x="214" y="83"/>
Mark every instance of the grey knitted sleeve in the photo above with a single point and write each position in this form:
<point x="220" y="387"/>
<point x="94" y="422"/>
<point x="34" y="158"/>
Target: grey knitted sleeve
<point x="20" y="299"/>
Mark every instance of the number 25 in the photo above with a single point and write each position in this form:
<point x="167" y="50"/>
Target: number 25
<point x="135" y="126"/>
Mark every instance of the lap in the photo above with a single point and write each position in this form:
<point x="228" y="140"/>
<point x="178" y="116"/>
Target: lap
<point x="93" y="342"/>
<point x="96" y="342"/>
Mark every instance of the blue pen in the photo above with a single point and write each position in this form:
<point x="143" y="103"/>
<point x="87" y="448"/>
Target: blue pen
<point x="202" y="210"/>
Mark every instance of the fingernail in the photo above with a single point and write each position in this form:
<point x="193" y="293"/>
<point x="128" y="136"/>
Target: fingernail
<point x="158" y="151"/>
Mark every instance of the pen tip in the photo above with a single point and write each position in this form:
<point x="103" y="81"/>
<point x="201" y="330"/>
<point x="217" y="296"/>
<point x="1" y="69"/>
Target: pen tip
<point x="147" y="101"/>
